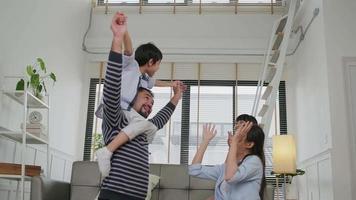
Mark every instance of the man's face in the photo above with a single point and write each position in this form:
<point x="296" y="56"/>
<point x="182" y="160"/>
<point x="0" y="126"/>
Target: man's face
<point x="143" y="103"/>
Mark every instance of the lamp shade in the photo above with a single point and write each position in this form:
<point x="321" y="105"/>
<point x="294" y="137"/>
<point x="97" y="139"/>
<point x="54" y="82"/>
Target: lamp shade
<point x="284" y="154"/>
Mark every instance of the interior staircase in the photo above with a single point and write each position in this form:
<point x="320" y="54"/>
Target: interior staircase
<point x="271" y="73"/>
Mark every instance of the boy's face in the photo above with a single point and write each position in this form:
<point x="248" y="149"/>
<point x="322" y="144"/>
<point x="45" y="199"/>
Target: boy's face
<point x="153" y="67"/>
<point x="143" y="103"/>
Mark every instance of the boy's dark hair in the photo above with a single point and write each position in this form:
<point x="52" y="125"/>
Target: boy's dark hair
<point x="147" y="51"/>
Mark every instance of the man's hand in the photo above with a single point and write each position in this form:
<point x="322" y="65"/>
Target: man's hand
<point x="118" y="28"/>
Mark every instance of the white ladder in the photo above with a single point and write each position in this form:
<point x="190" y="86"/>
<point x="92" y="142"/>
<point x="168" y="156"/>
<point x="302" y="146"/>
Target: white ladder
<point x="271" y="72"/>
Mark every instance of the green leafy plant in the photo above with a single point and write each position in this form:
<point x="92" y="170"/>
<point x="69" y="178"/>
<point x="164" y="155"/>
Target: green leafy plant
<point x="98" y="141"/>
<point x="37" y="74"/>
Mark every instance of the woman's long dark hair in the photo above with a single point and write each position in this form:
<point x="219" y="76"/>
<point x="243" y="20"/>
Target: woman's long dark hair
<point x="257" y="136"/>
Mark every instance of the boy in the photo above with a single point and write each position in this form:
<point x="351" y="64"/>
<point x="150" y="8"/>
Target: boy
<point x="137" y="71"/>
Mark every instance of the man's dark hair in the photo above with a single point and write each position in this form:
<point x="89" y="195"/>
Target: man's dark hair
<point x="140" y="89"/>
<point x="147" y="51"/>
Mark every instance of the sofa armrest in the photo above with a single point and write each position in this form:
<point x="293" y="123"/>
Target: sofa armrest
<point x="47" y="189"/>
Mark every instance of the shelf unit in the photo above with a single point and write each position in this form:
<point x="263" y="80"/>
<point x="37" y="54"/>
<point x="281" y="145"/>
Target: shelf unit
<point x="28" y="101"/>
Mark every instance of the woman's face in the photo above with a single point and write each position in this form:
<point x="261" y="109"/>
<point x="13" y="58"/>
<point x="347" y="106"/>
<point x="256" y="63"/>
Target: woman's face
<point x="238" y="125"/>
<point x="241" y="137"/>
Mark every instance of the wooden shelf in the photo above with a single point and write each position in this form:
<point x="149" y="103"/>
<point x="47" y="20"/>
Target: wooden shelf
<point x="14" y="177"/>
<point x="17" y="136"/>
<point x="32" y="101"/>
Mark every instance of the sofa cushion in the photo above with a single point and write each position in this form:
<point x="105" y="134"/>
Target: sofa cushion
<point x="155" y="169"/>
<point x="85" y="173"/>
<point x="174" y="177"/>
<point x="83" y="192"/>
<point x="200" y="194"/>
<point x="152" y="182"/>
<point x="44" y="188"/>
<point x="155" y="194"/>
<point x="198" y="183"/>
<point x="173" y="194"/>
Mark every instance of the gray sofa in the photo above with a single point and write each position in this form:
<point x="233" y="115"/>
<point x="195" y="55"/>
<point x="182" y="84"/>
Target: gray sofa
<point x="174" y="184"/>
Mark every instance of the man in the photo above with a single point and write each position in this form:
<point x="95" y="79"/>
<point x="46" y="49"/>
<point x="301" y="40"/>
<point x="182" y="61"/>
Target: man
<point x="128" y="177"/>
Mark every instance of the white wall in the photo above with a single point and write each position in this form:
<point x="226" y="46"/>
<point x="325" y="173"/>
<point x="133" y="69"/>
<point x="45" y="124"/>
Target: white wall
<point x="60" y="165"/>
<point x="340" y="36"/>
<point x="53" y="31"/>
<point x="316" y="99"/>
<point x="350" y="82"/>
<point x="190" y="34"/>
<point x="308" y="105"/>
<point x="307" y="88"/>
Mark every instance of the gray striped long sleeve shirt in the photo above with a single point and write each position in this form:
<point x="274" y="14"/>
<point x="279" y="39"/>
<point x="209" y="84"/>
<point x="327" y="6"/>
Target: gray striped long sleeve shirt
<point x="129" y="164"/>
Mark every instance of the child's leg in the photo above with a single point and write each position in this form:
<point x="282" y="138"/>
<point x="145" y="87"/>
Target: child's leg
<point x="104" y="154"/>
<point x="137" y="125"/>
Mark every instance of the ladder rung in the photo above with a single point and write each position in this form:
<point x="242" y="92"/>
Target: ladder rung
<point x="275" y="56"/>
<point x="281" y="25"/>
<point x="270" y="73"/>
<point x="267" y="92"/>
<point x="263" y="110"/>
<point x="278" y="41"/>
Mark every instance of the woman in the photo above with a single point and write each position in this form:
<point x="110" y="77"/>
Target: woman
<point x="242" y="176"/>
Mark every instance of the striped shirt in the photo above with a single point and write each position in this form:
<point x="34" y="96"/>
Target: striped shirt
<point x="129" y="164"/>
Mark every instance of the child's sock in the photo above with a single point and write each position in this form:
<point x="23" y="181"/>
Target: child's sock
<point x="103" y="156"/>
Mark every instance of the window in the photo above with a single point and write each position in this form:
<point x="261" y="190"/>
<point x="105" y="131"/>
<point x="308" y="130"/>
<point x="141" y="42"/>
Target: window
<point x="166" y="144"/>
<point x="187" y="2"/>
<point x="211" y="1"/>
<point x="164" y="1"/>
<point x="177" y="142"/>
<point x="210" y="104"/>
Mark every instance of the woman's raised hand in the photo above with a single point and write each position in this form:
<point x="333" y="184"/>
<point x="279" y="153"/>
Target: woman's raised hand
<point x="241" y="133"/>
<point x="209" y="132"/>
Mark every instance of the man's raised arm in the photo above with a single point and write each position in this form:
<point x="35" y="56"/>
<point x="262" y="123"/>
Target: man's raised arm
<point x="162" y="117"/>
<point x="112" y="85"/>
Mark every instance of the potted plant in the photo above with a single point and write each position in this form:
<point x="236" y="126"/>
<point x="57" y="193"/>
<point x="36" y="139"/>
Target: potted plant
<point x="37" y="74"/>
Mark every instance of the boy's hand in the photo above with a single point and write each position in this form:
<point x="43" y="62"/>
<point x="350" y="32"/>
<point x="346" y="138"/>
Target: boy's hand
<point x="119" y="25"/>
<point x="180" y="84"/>
<point x="178" y="89"/>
